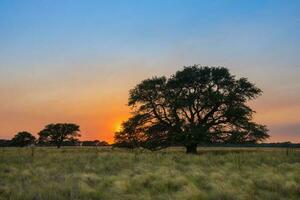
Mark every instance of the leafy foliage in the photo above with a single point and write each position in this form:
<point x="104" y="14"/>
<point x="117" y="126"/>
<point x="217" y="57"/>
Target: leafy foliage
<point x="58" y="133"/>
<point x="22" y="139"/>
<point x="194" y="106"/>
<point x="132" y="133"/>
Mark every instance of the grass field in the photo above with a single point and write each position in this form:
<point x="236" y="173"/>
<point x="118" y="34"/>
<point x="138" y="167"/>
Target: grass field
<point x="104" y="173"/>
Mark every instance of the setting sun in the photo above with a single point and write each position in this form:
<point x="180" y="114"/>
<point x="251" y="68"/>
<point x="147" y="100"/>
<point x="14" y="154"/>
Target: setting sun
<point x="117" y="127"/>
<point x="105" y="99"/>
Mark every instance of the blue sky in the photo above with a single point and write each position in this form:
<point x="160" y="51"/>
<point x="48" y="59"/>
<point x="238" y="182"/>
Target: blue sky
<point x="70" y="56"/>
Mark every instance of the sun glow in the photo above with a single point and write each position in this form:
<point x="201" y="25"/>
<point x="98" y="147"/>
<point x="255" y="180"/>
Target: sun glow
<point x="117" y="127"/>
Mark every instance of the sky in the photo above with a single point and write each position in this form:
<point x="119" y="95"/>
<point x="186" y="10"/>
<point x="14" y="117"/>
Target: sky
<point x="75" y="61"/>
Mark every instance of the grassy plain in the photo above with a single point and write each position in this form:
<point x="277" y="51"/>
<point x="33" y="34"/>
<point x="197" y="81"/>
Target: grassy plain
<point x="104" y="173"/>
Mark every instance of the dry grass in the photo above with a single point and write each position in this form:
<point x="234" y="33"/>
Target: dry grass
<point x="91" y="173"/>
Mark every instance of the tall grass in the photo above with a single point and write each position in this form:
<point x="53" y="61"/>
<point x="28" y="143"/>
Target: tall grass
<point x="91" y="173"/>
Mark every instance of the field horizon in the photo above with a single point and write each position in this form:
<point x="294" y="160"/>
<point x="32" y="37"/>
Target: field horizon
<point x="105" y="173"/>
<point x="149" y="100"/>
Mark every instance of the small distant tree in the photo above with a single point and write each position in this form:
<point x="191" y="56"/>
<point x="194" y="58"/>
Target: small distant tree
<point x="4" y="143"/>
<point x="94" y="143"/>
<point x="22" y="139"/>
<point x="197" y="105"/>
<point x="58" y="133"/>
<point x="90" y="143"/>
<point x="103" y="143"/>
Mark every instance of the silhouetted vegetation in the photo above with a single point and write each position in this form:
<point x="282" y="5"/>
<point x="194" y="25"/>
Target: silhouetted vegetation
<point x="59" y="133"/>
<point x="61" y="137"/>
<point x="22" y="139"/>
<point x="197" y="105"/>
<point x="132" y="134"/>
<point x="4" y="143"/>
<point x="94" y="143"/>
<point x="277" y="144"/>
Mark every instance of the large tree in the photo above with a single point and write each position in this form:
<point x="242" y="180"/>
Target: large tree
<point x="59" y="133"/>
<point x="196" y="105"/>
<point x="22" y="139"/>
<point x="132" y="133"/>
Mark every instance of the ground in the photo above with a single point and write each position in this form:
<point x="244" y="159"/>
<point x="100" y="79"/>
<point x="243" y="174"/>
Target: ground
<point x="104" y="173"/>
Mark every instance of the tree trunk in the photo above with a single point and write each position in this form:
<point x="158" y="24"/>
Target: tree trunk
<point x="191" y="149"/>
<point x="59" y="143"/>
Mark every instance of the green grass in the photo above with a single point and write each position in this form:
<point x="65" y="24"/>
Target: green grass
<point x="103" y="173"/>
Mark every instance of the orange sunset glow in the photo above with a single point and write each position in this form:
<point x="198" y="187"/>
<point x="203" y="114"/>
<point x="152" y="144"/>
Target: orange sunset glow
<point x="76" y="63"/>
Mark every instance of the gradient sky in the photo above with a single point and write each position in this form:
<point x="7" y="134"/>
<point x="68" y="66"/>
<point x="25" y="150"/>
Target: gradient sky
<point x="74" y="61"/>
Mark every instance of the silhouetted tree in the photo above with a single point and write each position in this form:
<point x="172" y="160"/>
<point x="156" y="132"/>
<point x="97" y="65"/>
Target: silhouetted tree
<point x="94" y="143"/>
<point x="71" y="142"/>
<point x="103" y="143"/>
<point x="132" y="133"/>
<point x="197" y="105"/>
<point x="90" y="143"/>
<point x="58" y="133"/>
<point x="4" y="143"/>
<point x="22" y="139"/>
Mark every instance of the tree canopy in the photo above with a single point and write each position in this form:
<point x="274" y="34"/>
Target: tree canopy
<point x="59" y="133"/>
<point x="196" y="105"/>
<point x="94" y="143"/>
<point x="22" y="139"/>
